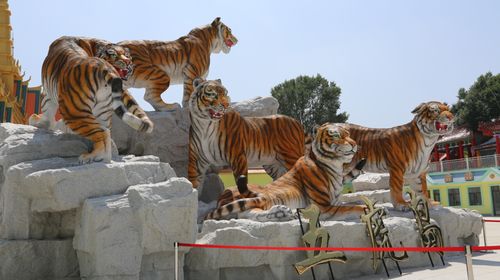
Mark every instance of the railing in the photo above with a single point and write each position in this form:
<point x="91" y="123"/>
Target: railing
<point x="465" y="163"/>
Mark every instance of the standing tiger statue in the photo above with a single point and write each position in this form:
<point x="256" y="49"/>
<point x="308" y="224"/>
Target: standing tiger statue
<point x="404" y="150"/>
<point x="222" y="137"/>
<point x="315" y="178"/>
<point x="159" y="64"/>
<point x="83" y="78"/>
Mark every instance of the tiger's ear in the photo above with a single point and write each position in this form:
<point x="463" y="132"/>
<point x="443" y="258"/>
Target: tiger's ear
<point x="219" y="81"/>
<point x="100" y="50"/>
<point x="197" y="82"/>
<point x="419" y="108"/>
<point x="216" y="21"/>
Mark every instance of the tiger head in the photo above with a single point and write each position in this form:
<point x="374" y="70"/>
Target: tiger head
<point x="434" y="118"/>
<point x="209" y="99"/>
<point x="225" y="39"/>
<point x="117" y="56"/>
<point x="332" y="142"/>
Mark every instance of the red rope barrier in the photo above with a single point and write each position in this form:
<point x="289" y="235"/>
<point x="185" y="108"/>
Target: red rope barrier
<point x="359" y="249"/>
<point x="491" y="221"/>
<point x="485" y="248"/>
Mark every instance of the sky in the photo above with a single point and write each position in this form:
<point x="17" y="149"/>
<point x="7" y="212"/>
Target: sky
<point x="386" y="56"/>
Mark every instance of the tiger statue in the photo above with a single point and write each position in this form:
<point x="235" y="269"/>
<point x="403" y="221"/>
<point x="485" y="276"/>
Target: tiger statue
<point x="83" y="78"/>
<point x="222" y="137"/>
<point x="404" y="150"/>
<point x="159" y="64"/>
<point x="315" y="178"/>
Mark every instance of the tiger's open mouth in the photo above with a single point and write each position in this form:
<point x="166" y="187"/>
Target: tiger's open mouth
<point x="231" y="42"/>
<point x="122" y="72"/>
<point x="123" y="69"/>
<point x="443" y="128"/>
<point x="216" y="114"/>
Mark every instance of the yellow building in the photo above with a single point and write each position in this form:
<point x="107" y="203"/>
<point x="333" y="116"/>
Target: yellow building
<point x="17" y="100"/>
<point x="476" y="189"/>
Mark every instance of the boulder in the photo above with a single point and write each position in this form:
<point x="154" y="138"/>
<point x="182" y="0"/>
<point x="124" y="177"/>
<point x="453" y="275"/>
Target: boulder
<point x="257" y="107"/>
<point x="131" y="236"/>
<point x="218" y="264"/>
<point x="371" y="181"/>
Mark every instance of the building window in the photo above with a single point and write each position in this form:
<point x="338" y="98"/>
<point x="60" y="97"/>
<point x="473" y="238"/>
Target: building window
<point x="475" y="196"/>
<point x="437" y="195"/>
<point x="454" y="197"/>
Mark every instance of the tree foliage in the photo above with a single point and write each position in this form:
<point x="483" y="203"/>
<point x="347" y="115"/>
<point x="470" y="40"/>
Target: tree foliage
<point x="310" y="100"/>
<point x="481" y="102"/>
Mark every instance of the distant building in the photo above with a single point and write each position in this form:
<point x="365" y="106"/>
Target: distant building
<point x="17" y="100"/>
<point x="465" y="169"/>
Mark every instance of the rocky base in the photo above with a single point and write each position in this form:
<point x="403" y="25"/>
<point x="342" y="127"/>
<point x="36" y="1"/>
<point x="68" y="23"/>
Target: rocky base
<point x="459" y="227"/>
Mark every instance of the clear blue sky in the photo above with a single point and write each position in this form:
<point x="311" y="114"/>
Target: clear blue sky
<point x="386" y="56"/>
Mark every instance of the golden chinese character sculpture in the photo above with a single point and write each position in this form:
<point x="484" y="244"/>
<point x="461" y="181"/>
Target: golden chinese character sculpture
<point x="430" y="234"/>
<point x="379" y="235"/>
<point x="311" y="238"/>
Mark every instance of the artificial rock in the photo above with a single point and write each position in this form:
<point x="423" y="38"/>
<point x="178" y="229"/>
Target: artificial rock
<point x="459" y="227"/>
<point x="122" y="236"/>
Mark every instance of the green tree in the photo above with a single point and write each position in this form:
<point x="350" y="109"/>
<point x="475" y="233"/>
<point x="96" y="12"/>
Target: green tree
<point x="310" y="100"/>
<point x="481" y="102"/>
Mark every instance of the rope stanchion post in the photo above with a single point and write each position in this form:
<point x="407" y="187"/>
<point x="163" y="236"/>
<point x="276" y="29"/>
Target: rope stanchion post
<point x="484" y="233"/>
<point x="176" y="262"/>
<point x="468" y="262"/>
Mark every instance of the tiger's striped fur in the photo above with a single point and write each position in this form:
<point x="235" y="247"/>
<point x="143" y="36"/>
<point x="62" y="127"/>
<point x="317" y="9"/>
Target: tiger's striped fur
<point x="159" y="64"/>
<point x="315" y="178"/>
<point x="220" y="137"/>
<point x="82" y="77"/>
<point x="404" y="150"/>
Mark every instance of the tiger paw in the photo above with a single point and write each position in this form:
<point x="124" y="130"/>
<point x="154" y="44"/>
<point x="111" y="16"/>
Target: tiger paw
<point x="146" y="126"/>
<point x="88" y="158"/>
<point x="38" y="121"/>
<point x="277" y="213"/>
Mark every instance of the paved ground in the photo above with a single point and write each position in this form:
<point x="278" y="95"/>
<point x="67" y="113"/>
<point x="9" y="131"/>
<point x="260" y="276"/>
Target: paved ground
<point x="486" y="266"/>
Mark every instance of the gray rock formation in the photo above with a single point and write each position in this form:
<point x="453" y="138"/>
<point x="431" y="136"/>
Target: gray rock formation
<point x="119" y="234"/>
<point x="43" y="190"/>
<point x="58" y="185"/>
<point x="459" y="227"/>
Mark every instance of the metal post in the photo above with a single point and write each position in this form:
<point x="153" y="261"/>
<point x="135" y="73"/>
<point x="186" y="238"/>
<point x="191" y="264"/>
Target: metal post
<point x="441" y="164"/>
<point x="176" y="263"/>
<point x="468" y="261"/>
<point x="484" y="233"/>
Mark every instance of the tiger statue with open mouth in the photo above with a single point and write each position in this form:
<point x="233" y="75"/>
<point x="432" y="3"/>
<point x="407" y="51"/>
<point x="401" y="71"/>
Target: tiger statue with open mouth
<point x="404" y="150"/>
<point x="83" y="78"/>
<point x="161" y="63"/>
<point x="221" y="137"/>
